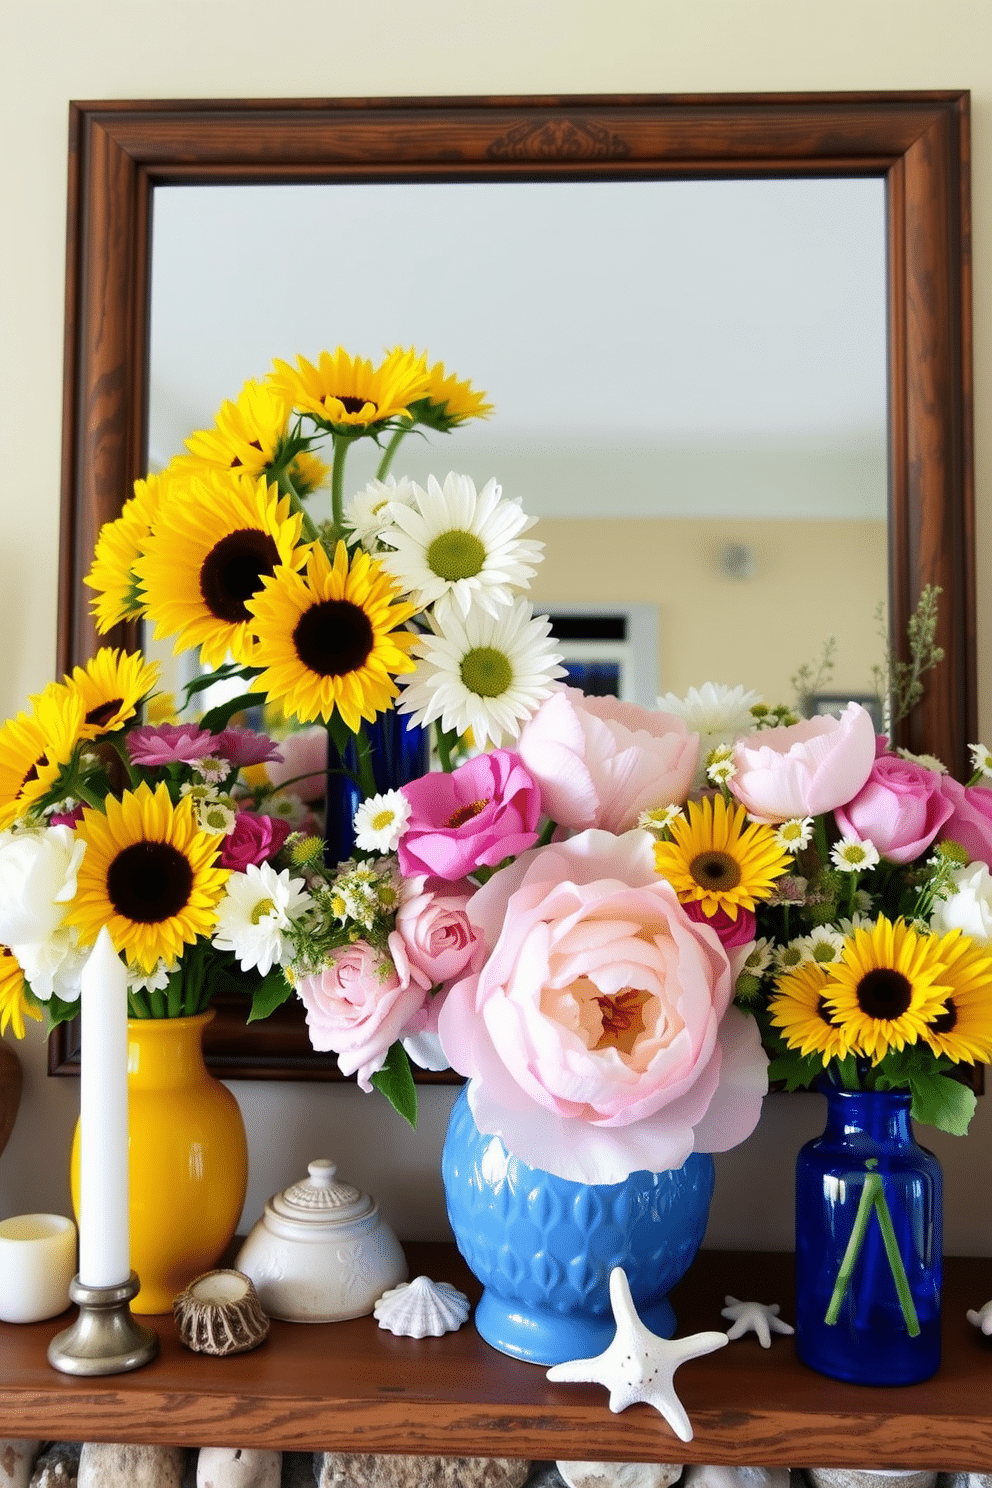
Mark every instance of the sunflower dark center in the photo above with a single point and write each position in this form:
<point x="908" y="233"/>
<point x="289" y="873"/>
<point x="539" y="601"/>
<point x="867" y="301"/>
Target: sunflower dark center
<point x="232" y="572"/>
<point x="351" y="404"/>
<point x="826" y="1013"/>
<point x="884" y="993"/>
<point x="32" y="774"/>
<point x="334" y="637"/>
<point x="149" y="882"/>
<point x="465" y="813"/>
<point x="717" y="871"/>
<point x="104" y="712"/>
<point x="947" y="1020"/>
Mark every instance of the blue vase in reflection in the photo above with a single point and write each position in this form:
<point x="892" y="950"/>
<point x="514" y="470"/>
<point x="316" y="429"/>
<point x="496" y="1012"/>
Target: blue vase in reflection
<point x="869" y="1206"/>
<point x="399" y="754"/>
<point x="543" y="1247"/>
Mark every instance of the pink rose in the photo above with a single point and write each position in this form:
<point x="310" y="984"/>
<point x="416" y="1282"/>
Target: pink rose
<point x="600" y="762"/>
<point x="302" y="766"/>
<point x="253" y="839"/>
<point x="437" y="932"/>
<point x="483" y="812"/>
<point x="599" y="1035"/>
<point x="361" y="1004"/>
<point x="900" y="808"/>
<point x="970" y="822"/>
<point x="805" y="769"/>
<point x="731" y="933"/>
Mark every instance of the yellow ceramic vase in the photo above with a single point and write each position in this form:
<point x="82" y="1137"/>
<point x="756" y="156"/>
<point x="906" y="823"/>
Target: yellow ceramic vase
<point x="188" y="1159"/>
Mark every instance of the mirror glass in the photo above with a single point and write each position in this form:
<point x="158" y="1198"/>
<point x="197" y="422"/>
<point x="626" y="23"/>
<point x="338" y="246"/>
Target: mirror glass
<point x="688" y="379"/>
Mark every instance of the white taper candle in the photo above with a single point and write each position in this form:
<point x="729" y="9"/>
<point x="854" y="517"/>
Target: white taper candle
<point x="104" y="1232"/>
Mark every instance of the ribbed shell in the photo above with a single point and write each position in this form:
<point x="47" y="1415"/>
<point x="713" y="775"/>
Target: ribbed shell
<point x="422" y="1308"/>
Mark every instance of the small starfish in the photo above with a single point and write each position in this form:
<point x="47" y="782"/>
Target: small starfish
<point x="638" y="1365"/>
<point x="756" y="1317"/>
<point x="982" y="1318"/>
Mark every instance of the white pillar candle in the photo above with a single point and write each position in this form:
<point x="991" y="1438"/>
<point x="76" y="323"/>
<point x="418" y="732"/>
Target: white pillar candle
<point x="104" y="1233"/>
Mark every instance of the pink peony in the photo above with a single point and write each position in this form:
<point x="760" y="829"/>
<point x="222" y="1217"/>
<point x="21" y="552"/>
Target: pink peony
<point x="900" y="808"/>
<point x="437" y="932"/>
<point x="302" y="766"/>
<point x="599" y="1035"/>
<point x="970" y="822"/>
<point x="600" y="762"/>
<point x="253" y="839"/>
<point x="483" y="812"/>
<point x="170" y="744"/>
<point x="805" y="769"/>
<point x="243" y="746"/>
<point x="361" y="1004"/>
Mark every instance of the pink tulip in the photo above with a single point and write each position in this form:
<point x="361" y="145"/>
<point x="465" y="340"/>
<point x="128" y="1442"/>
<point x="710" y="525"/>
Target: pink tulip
<point x="805" y="769"/>
<point x="483" y="812"/>
<point x="900" y="808"/>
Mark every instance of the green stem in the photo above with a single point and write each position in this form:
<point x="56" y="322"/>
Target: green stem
<point x="896" y="1263"/>
<point x="547" y="832"/>
<point x="137" y="1005"/>
<point x="340" y="451"/>
<point x="390" y="451"/>
<point x="445" y="743"/>
<point x="366" y="779"/>
<point x="296" y="505"/>
<point x="820" y="837"/>
<point x="873" y="1182"/>
<point x="156" y="1004"/>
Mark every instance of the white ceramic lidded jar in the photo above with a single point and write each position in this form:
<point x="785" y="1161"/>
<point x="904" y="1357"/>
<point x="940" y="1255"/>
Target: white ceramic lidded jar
<point x="321" y="1251"/>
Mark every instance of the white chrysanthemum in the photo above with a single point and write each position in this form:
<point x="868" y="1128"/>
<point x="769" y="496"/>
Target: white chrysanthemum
<point x="381" y="821"/>
<point x="370" y="510"/>
<point x="155" y="980"/>
<point x="488" y="674"/>
<point x="981" y="759"/>
<point x="759" y="957"/>
<point x="256" y="911"/>
<point x="460" y="550"/>
<point x="823" y="945"/>
<point x="930" y="761"/>
<point x="718" y="714"/>
<point x="852" y="855"/>
<point x="795" y="834"/>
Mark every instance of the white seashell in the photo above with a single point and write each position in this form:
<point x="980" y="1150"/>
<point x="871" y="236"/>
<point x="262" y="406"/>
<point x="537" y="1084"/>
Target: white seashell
<point x="422" y="1308"/>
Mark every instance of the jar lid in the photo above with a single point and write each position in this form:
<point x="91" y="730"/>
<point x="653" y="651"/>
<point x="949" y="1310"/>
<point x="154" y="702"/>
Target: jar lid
<point x="321" y="1198"/>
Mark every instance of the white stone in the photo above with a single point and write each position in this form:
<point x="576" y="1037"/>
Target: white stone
<point x="58" y="1467"/>
<point x="16" y="1460"/>
<point x="619" y="1474"/>
<point x="107" y="1465"/>
<point x="237" y="1467"/>
<point x="736" y="1477"/>
<point x="869" y="1477"/>
<point x="363" y="1470"/>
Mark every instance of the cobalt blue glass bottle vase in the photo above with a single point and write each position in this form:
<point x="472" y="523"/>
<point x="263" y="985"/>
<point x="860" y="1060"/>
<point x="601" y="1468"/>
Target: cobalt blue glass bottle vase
<point x="400" y="753"/>
<point x="543" y="1247"/>
<point x="869" y="1209"/>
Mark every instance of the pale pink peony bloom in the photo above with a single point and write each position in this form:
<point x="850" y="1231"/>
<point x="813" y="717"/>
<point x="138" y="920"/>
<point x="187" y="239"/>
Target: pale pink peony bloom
<point x="970" y="822"/>
<point x="483" y="812"/>
<point x="361" y="1004"/>
<point x="807" y="768"/>
<point x="599" y="1035"/>
<point x="253" y="839"/>
<point x="600" y="762"/>
<point x="302" y="766"/>
<point x="433" y="920"/>
<point x="900" y="809"/>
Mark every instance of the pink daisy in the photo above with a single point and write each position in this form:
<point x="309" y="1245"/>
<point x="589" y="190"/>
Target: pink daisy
<point x="170" y="744"/>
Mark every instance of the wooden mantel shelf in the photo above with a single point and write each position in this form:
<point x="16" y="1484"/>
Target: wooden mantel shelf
<point x="352" y="1387"/>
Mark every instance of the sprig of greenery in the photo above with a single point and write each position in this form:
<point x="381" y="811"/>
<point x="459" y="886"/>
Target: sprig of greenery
<point x="899" y="684"/>
<point x="805" y="682"/>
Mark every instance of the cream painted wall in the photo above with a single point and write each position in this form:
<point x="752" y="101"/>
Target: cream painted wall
<point x="55" y="50"/>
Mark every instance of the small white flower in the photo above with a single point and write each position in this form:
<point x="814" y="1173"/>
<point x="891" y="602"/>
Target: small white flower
<point x="214" y="813"/>
<point x="795" y="834"/>
<point x="823" y="944"/>
<point x="981" y="760"/>
<point x="356" y="896"/>
<point x="969" y="907"/>
<point x="862" y="919"/>
<point x="155" y="980"/>
<point x="287" y="807"/>
<point x="788" y="957"/>
<point x="371" y="509"/>
<point x="658" y="820"/>
<point x="720" y="767"/>
<point x="211" y="769"/>
<point x="851" y="855"/>
<point x="928" y="761"/>
<point x="759" y="957"/>
<point x="719" y="714"/>
<point x="256" y="911"/>
<point x="381" y="821"/>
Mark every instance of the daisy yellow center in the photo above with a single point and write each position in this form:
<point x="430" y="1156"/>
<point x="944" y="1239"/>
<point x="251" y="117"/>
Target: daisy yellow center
<point x="334" y="637"/>
<point x="383" y="819"/>
<point x="465" y="813"/>
<point x="716" y="871"/>
<point x="623" y="1020"/>
<point x="884" y="993"/>
<point x="104" y="712"/>
<point x="232" y="572"/>
<point x="456" y="555"/>
<point x="149" y="882"/>
<point x="262" y="908"/>
<point x="486" y="671"/>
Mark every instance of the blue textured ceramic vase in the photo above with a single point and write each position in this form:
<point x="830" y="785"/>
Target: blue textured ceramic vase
<point x="868" y="1244"/>
<point x="544" y="1247"/>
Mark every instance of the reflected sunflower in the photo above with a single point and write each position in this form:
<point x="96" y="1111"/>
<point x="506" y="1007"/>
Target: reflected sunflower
<point x="800" y="1009"/>
<point x="889" y="984"/>
<point x="717" y="861"/>
<point x="223" y="535"/>
<point x="34" y="747"/>
<point x="963" y="1031"/>
<point x="449" y="401"/>
<point x="112" y="685"/>
<point x="118" y="547"/>
<point x="14" y="1005"/>
<point x="149" y="874"/>
<point x="347" y="394"/>
<point x="328" y="639"/>
<point x="246" y="435"/>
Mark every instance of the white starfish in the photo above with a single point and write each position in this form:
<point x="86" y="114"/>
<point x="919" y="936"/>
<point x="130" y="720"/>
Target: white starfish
<point x="638" y="1365"/>
<point x="757" y="1317"/>
<point x="982" y="1318"/>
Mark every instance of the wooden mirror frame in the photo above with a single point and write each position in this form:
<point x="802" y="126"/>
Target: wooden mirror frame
<point x="918" y="142"/>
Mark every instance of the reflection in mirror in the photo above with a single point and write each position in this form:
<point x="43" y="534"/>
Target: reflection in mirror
<point x="689" y="380"/>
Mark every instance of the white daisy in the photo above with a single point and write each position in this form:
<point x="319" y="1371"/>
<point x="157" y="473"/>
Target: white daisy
<point x="981" y="759"/>
<point x="381" y="821"/>
<point x="258" y="908"/>
<point x="759" y="957"/>
<point x="155" y="980"/>
<point x="211" y="769"/>
<point x="931" y="762"/>
<point x="214" y="813"/>
<point x="788" y="957"/>
<point x="823" y="944"/>
<point x="371" y="509"/>
<point x="457" y="549"/>
<point x="718" y="714"/>
<point x="720" y="767"/>
<point x="485" y="673"/>
<point x="658" y="820"/>
<point x="853" y="856"/>
<point x="795" y="834"/>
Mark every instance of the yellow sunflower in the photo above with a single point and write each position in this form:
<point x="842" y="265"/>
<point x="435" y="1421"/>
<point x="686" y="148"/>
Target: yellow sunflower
<point x="327" y="638"/>
<point x="112" y="685"/>
<point x="148" y="874"/>
<point x="715" y="860"/>
<point x="347" y="394"/>
<point x="222" y="533"/>
<point x="14" y="1005"/>
<point x="449" y="401"/>
<point x="963" y="1032"/>
<point x="800" y="1009"/>
<point x="118" y="547"/>
<point x="889" y="983"/>
<point x="34" y="747"/>
<point x="246" y="434"/>
<point x="308" y="472"/>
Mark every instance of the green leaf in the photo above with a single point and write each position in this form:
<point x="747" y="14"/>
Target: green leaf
<point x="272" y="991"/>
<point x="395" y="1081"/>
<point x="217" y="719"/>
<point x="799" y="1071"/>
<point x="941" y="1102"/>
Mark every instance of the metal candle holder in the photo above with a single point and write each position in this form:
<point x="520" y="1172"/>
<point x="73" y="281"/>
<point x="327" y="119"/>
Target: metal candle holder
<point x="105" y="1338"/>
